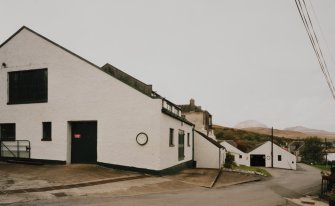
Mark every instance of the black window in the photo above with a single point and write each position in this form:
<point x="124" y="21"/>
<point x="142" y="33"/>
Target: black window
<point x="279" y="157"/>
<point x="46" y="131"/>
<point x="240" y="156"/>
<point x="188" y="140"/>
<point x="7" y="132"/>
<point x="171" y="137"/>
<point x="30" y="86"/>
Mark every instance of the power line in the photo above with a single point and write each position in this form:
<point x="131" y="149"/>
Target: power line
<point x="313" y="39"/>
<point x="322" y="33"/>
<point x="303" y="11"/>
<point x="319" y="47"/>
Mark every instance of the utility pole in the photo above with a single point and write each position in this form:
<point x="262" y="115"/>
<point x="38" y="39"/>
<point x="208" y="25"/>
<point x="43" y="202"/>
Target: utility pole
<point x="272" y="147"/>
<point x="326" y="151"/>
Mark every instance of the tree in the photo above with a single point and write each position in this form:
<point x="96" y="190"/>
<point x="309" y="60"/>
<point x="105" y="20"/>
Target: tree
<point x="312" y="151"/>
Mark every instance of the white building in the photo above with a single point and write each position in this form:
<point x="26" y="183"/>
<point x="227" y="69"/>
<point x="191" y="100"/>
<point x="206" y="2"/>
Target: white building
<point x="208" y="153"/>
<point x="240" y="157"/>
<point x="261" y="156"/>
<point x="72" y="111"/>
<point x="201" y="118"/>
<point x="330" y="157"/>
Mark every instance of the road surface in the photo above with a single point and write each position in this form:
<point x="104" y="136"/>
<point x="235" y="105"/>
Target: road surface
<point x="283" y="184"/>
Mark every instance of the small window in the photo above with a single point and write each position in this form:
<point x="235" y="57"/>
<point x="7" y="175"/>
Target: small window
<point x="279" y="157"/>
<point x="46" y="131"/>
<point x="7" y="132"/>
<point x="188" y="140"/>
<point x="240" y="156"/>
<point x="171" y="137"/>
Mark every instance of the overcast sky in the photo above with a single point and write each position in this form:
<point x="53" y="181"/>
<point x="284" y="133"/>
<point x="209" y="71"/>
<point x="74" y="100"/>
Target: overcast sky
<point x="240" y="60"/>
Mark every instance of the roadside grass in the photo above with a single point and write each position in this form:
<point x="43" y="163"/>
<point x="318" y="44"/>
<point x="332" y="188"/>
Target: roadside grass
<point x="322" y="167"/>
<point x="256" y="170"/>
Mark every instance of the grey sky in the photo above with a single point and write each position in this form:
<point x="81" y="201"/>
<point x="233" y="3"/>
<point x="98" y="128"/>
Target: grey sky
<point x="239" y="59"/>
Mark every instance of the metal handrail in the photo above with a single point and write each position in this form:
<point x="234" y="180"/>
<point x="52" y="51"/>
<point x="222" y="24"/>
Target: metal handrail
<point x="18" y="147"/>
<point x="2" y="144"/>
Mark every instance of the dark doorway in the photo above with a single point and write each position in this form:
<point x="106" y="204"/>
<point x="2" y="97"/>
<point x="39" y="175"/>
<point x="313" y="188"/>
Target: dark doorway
<point x="257" y="160"/>
<point x="181" y="145"/>
<point x="83" y="142"/>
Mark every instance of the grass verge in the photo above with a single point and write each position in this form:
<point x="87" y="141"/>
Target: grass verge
<point x="322" y="167"/>
<point x="256" y="170"/>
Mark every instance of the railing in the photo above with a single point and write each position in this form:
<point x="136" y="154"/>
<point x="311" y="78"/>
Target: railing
<point x="15" y="149"/>
<point x="326" y="186"/>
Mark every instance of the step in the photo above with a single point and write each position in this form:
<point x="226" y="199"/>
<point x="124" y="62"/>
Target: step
<point x="27" y="162"/>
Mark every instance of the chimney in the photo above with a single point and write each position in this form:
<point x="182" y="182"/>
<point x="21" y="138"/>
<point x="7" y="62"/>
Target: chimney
<point x="192" y="103"/>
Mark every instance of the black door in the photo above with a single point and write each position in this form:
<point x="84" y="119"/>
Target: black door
<point x="181" y="145"/>
<point x="257" y="160"/>
<point x="83" y="142"/>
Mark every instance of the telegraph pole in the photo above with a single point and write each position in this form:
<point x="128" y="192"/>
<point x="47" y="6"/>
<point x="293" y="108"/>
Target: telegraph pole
<point x="272" y="147"/>
<point x="326" y="151"/>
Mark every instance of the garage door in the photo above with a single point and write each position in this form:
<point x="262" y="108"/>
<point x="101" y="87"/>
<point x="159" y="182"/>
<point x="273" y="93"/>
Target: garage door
<point x="257" y="160"/>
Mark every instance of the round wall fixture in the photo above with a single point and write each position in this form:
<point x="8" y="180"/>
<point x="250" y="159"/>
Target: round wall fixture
<point x="142" y="138"/>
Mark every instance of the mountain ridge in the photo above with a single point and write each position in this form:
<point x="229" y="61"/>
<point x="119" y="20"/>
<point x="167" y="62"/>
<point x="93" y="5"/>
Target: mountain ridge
<point x="289" y="132"/>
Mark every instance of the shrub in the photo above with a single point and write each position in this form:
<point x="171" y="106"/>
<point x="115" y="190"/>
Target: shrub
<point x="229" y="161"/>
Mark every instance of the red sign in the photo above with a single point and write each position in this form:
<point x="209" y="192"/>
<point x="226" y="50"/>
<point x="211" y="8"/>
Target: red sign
<point x="77" y="136"/>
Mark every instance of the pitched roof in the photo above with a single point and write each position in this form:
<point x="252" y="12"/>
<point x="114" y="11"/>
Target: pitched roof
<point x="211" y="140"/>
<point x="231" y="142"/>
<point x="48" y="40"/>
<point x="252" y="148"/>
<point x="107" y="68"/>
<point x="128" y="79"/>
<point x="110" y="70"/>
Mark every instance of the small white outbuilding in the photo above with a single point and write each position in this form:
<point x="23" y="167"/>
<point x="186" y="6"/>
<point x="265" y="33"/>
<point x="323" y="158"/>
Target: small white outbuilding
<point x="208" y="153"/>
<point x="261" y="156"/>
<point x="240" y="158"/>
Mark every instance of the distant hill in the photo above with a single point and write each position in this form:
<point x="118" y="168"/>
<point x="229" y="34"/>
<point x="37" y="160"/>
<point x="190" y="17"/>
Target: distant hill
<point x="291" y="132"/>
<point x="250" y="124"/>
<point x="278" y="132"/>
<point x="312" y="132"/>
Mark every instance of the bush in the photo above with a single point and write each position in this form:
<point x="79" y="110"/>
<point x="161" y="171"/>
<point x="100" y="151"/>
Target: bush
<point x="312" y="151"/>
<point x="229" y="161"/>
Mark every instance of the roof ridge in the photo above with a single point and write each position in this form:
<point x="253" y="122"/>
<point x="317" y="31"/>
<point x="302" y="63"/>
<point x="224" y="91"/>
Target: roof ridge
<point x="211" y="140"/>
<point x="50" y="41"/>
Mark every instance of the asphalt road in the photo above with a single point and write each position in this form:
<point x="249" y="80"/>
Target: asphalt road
<point x="271" y="192"/>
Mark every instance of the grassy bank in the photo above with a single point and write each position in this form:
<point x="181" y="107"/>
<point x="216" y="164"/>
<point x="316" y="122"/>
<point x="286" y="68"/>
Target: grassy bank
<point x="256" y="170"/>
<point x="323" y="167"/>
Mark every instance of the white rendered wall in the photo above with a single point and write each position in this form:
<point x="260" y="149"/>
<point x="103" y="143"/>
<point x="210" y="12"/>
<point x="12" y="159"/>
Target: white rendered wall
<point x="245" y="160"/>
<point x="330" y="156"/>
<point x="169" y="155"/>
<point x="78" y="91"/>
<point x="288" y="160"/>
<point x="206" y="154"/>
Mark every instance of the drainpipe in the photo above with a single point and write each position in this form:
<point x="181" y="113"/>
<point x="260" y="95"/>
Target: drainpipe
<point x="219" y="158"/>
<point x="193" y="145"/>
<point x="272" y="147"/>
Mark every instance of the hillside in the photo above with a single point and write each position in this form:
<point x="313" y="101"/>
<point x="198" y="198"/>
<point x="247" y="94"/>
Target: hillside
<point x="278" y="133"/>
<point x="312" y="132"/>
<point x="246" y="140"/>
<point x="293" y="134"/>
